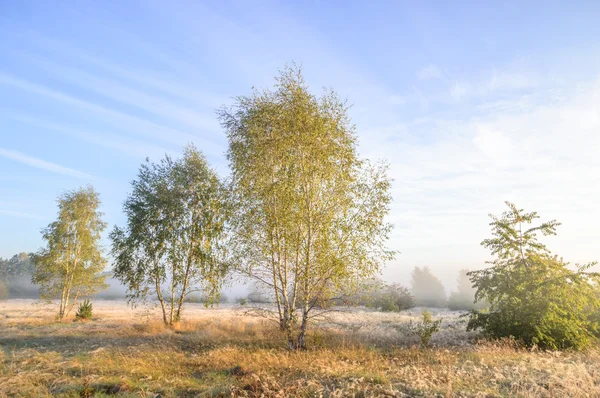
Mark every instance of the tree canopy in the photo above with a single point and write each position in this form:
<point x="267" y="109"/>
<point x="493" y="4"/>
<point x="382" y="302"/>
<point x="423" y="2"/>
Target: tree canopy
<point x="70" y="265"/>
<point x="172" y="244"/>
<point x="309" y="213"/>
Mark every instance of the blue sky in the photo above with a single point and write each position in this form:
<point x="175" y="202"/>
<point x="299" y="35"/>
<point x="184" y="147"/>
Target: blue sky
<point x="472" y="103"/>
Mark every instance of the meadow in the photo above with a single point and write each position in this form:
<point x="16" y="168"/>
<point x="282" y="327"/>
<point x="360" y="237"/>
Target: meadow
<point x="231" y="351"/>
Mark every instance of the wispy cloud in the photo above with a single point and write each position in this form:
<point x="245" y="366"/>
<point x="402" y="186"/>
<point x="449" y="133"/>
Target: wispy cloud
<point x="170" y="85"/>
<point x="542" y="156"/>
<point x="120" y="120"/>
<point x="42" y="164"/>
<point x="117" y="142"/>
<point x="20" y="214"/>
<point x="429" y="72"/>
<point x="459" y="90"/>
<point x="132" y="97"/>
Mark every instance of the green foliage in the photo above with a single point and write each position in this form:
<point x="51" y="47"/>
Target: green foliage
<point x="243" y="301"/>
<point x="391" y="298"/>
<point x="427" y="289"/>
<point x="463" y="298"/>
<point x="309" y="218"/>
<point x="70" y="266"/>
<point x="387" y="304"/>
<point x="534" y="296"/>
<point x="84" y="311"/>
<point x="172" y="244"/>
<point x="427" y="328"/>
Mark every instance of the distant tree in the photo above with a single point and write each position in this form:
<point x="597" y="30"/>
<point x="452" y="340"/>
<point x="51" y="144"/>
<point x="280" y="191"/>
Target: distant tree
<point x="16" y="273"/>
<point x="533" y="295"/>
<point x="260" y="294"/>
<point x="18" y="266"/>
<point x="463" y="298"/>
<point x="309" y="212"/>
<point x="427" y="289"/>
<point x="172" y="244"/>
<point x="70" y="265"/>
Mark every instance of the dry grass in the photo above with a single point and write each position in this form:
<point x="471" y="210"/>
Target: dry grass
<point x="221" y="352"/>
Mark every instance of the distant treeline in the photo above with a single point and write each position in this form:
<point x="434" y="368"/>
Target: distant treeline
<point x="426" y="290"/>
<point x="15" y="277"/>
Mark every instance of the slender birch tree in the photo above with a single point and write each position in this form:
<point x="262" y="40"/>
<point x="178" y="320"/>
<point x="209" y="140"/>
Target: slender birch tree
<point x="70" y="265"/>
<point x="309" y="213"/>
<point x="172" y="244"/>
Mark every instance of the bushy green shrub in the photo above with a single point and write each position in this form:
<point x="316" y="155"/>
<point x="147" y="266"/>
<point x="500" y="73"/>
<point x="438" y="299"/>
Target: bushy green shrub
<point x="84" y="312"/>
<point x="387" y="304"/>
<point x="395" y="298"/>
<point x="534" y="297"/>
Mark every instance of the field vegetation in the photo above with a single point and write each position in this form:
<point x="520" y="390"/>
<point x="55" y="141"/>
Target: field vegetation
<point x="223" y="352"/>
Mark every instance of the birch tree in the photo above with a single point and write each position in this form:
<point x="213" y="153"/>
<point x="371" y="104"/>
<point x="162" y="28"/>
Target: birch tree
<point x="172" y="244"/>
<point x="309" y="213"/>
<point x="70" y="265"/>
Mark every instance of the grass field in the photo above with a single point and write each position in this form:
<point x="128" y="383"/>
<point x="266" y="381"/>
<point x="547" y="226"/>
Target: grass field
<point x="225" y="352"/>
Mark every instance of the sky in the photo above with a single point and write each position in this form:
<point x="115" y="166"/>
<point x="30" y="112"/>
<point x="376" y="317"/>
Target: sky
<point x="472" y="104"/>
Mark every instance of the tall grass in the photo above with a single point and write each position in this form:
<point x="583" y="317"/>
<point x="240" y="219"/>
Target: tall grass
<point x="221" y="352"/>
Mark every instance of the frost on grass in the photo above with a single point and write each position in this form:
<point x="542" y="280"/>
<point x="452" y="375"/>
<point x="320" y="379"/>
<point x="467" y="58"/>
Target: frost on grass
<point x="397" y="329"/>
<point x="224" y="352"/>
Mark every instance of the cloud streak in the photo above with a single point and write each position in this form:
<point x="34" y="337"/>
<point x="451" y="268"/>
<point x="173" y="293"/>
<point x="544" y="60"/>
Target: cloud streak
<point x="19" y="214"/>
<point x="42" y="164"/>
<point x="121" y="120"/>
<point x="120" y="143"/>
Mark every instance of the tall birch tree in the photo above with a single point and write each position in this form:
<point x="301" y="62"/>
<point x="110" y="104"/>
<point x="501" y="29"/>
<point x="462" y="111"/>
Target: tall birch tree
<point x="309" y="213"/>
<point x="70" y="265"/>
<point x="172" y="244"/>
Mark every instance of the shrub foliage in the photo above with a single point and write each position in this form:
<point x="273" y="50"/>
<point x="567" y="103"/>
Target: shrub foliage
<point x="394" y="298"/>
<point x="533" y="295"/>
<point x="427" y="328"/>
<point x="84" y="311"/>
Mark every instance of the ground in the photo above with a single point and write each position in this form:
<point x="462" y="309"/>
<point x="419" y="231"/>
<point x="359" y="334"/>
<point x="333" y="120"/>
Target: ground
<point x="227" y="352"/>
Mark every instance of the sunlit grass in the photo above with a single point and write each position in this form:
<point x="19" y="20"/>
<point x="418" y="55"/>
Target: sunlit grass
<point x="221" y="352"/>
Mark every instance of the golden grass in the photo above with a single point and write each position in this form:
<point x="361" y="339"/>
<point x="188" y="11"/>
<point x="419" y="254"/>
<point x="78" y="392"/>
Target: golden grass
<point x="218" y="353"/>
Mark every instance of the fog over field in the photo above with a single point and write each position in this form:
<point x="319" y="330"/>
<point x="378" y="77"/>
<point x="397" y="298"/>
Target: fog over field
<point x="293" y="198"/>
